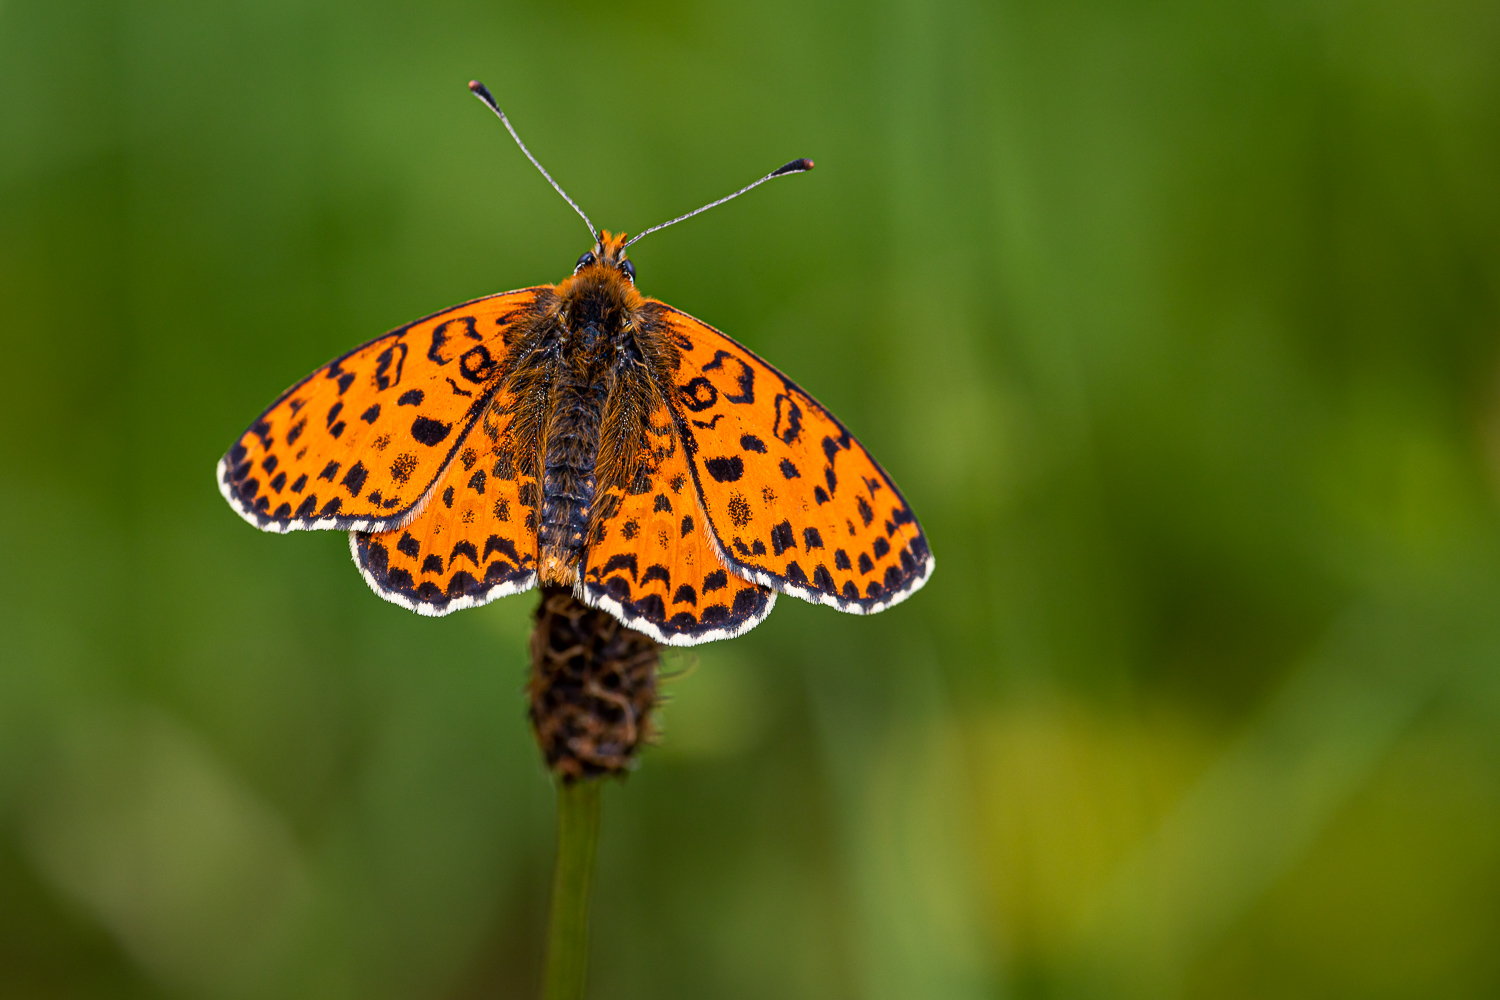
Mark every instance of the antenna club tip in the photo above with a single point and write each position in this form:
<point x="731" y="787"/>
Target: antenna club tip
<point x="479" y="89"/>
<point x="795" y="167"/>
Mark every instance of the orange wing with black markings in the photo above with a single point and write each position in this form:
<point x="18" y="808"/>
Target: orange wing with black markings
<point x="473" y="542"/>
<point x="652" y="561"/>
<point x="793" y="501"/>
<point x="360" y="442"/>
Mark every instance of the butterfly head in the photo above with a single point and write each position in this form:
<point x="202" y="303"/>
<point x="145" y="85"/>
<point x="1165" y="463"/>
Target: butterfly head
<point x="601" y="290"/>
<point x="608" y="255"/>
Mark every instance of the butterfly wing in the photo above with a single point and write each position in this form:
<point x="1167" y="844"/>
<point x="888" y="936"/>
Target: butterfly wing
<point x="793" y="500"/>
<point x="474" y="541"/>
<point x="360" y="442"/>
<point x="652" y="562"/>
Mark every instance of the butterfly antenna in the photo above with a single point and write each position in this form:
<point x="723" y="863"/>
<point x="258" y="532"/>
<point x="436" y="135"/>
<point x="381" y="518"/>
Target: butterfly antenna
<point x="795" y="167"/>
<point x="482" y="92"/>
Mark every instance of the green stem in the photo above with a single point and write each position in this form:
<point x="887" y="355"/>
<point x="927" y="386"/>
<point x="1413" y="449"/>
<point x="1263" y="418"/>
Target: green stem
<point x="568" y="929"/>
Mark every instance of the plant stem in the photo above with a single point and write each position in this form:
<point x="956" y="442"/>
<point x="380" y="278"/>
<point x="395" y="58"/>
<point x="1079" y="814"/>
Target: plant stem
<point x="568" y="928"/>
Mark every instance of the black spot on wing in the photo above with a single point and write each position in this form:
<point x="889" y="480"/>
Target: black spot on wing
<point x="428" y="431"/>
<point x="782" y="538"/>
<point x="354" y="479"/>
<point x="725" y="469"/>
<point x="651" y="607"/>
<point x="461" y="584"/>
<point x="621" y="560"/>
<point x="788" y="426"/>
<point x="745" y="378"/>
<point x="402" y="468"/>
<point x="749" y="602"/>
<point x="698" y="394"/>
<point x="739" y="510"/>
<point x="504" y="546"/>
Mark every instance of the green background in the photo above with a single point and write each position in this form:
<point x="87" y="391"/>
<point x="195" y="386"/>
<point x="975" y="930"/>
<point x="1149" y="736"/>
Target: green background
<point x="1176" y="322"/>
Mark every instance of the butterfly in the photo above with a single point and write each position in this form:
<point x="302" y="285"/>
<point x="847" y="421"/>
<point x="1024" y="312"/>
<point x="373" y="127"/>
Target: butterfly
<point x="586" y="436"/>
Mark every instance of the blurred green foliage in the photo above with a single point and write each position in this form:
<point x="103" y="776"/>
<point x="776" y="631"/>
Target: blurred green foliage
<point x="1176" y="321"/>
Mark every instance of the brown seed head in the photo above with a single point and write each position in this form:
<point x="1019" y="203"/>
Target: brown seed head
<point x="592" y="687"/>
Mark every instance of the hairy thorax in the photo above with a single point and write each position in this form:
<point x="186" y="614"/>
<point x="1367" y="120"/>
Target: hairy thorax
<point x="587" y="376"/>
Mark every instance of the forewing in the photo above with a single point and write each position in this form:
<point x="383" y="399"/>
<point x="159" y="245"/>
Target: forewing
<point x="359" y="442"/>
<point x="474" y="541"/>
<point x="793" y="500"/>
<point x="652" y="561"/>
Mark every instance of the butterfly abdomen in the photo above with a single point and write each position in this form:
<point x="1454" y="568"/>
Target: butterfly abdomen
<point x="568" y="481"/>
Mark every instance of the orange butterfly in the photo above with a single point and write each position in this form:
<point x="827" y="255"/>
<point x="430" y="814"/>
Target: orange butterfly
<point x="581" y="434"/>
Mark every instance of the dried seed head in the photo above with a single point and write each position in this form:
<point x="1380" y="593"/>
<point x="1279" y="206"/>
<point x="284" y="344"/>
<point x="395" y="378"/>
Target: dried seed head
<point x="592" y="687"/>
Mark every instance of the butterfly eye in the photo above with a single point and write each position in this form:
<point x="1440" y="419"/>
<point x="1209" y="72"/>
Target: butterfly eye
<point x="584" y="262"/>
<point x="629" y="270"/>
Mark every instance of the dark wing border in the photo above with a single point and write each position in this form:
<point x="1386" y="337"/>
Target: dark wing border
<point x="736" y="625"/>
<point x="371" y="564"/>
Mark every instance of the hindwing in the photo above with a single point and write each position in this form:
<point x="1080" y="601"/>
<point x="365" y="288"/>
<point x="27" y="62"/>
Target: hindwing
<point x="652" y="561"/>
<point x="474" y="541"/>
